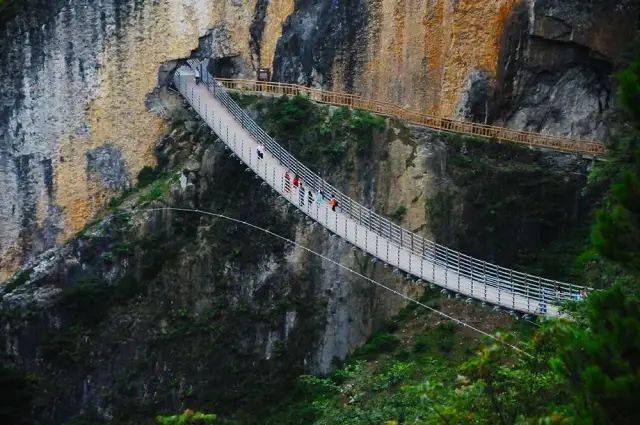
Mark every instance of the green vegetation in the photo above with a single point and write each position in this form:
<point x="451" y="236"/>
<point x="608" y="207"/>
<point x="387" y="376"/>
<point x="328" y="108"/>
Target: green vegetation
<point x="399" y="214"/>
<point x="147" y="175"/>
<point x="20" y="279"/>
<point x="187" y="417"/>
<point x="316" y="134"/>
<point x="158" y="189"/>
<point x="484" y="198"/>
<point x="16" y="394"/>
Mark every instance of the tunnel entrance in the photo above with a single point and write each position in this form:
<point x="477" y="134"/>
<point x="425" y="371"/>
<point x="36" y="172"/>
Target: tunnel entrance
<point x="225" y="67"/>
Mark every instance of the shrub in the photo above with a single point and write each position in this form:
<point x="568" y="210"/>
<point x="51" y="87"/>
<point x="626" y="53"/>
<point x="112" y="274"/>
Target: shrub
<point x="87" y="298"/>
<point x="146" y="176"/>
<point x="21" y="278"/>
<point x="399" y="214"/>
<point x="187" y="417"/>
<point x="16" y="396"/>
<point x="380" y="342"/>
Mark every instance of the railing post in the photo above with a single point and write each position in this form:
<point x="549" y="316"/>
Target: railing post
<point x="526" y="285"/>
<point x="433" y="262"/>
<point x="513" y="290"/>
<point x="410" y="250"/>
<point x="422" y="254"/>
<point x="389" y="240"/>
<point x="446" y="267"/>
<point x="484" y="278"/>
<point x="499" y="291"/>
<point x="458" y="258"/>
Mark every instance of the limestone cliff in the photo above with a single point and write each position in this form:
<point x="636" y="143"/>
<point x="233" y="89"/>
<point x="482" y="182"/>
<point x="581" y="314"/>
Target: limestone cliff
<point x="75" y="126"/>
<point x="154" y="311"/>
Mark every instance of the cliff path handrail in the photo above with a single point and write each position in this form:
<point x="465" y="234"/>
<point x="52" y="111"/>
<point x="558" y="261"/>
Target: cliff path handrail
<point x="361" y="226"/>
<point x="558" y="143"/>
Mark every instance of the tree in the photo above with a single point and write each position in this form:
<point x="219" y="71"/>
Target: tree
<point x="629" y="90"/>
<point x="187" y="417"/>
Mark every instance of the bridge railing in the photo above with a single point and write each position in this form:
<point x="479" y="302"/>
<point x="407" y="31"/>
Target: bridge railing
<point x="534" y="288"/>
<point x="564" y="144"/>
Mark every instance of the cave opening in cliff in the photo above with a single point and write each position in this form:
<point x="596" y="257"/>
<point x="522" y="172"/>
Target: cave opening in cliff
<point x="225" y="67"/>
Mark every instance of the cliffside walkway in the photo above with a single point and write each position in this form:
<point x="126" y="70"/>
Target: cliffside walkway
<point x="537" y="140"/>
<point x="366" y="230"/>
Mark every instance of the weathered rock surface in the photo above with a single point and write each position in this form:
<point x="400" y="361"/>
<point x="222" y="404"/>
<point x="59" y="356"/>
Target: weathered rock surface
<point x="76" y="76"/>
<point x="158" y="311"/>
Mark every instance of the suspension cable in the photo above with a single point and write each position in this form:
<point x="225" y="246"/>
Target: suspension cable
<point x="325" y="258"/>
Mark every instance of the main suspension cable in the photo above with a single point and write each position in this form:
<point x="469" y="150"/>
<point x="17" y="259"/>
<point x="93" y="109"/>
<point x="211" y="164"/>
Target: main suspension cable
<point x="311" y="251"/>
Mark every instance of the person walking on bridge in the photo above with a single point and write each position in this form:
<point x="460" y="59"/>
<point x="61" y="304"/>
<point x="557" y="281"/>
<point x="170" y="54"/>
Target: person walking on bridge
<point x="333" y="203"/>
<point x="287" y="182"/>
<point x="309" y="198"/>
<point x="301" y="197"/>
<point x="260" y="150"/>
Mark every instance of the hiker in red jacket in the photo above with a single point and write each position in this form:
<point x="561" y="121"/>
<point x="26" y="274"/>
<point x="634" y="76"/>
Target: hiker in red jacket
<point x="333" y="202"/>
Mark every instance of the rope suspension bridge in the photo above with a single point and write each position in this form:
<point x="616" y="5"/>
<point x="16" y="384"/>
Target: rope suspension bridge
<point x="385" y="241"/>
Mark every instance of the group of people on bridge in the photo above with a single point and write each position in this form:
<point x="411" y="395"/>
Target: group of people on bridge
<point x="296" y="187"/>
<point x="306" y="196"/>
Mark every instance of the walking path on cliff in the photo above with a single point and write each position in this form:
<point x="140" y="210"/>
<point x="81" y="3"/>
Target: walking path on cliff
<point x="525" y="138"/>
<point x="366" y="230"/>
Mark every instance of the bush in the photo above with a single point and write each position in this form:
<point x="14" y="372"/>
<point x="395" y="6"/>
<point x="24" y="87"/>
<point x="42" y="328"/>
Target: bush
<point x="444" y="334"/>
<point x="380" y="342"/>
<point x="87" y="298"/>
<point x="399" y="214"/>
<point x="188" y="417"/>
<point x="20" y="279"/>
<point x="147" y="175"/>
<point x="16" y="395"/>
<point x="364" y="125"/>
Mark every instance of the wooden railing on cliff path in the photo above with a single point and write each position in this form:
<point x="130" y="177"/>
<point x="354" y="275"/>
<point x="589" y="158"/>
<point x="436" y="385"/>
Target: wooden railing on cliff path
<point x="558" y="143"/>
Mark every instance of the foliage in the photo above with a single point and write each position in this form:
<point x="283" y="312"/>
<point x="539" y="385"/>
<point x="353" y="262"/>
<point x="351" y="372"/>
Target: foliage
<point x="399" y="214"/>
<point x="629" y="89"/>
<point x="147" y="175"/>
<point x="20" y="279"/>
<point x="365" y="125"/>
<point x="316" y="134"/>
<point x="157" y="190"/>
<point x="187" y="417"/>
<point x="616" y="233"/>
<point x="380" y="342"/>
<point x="16" y="395"/>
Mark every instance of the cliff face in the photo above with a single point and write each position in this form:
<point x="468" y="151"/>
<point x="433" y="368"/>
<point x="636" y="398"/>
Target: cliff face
<point x="155" y="311"/>
<point x="467" y="58"/>
<point x="556" y="62"/>
<point x="75" y="125"/>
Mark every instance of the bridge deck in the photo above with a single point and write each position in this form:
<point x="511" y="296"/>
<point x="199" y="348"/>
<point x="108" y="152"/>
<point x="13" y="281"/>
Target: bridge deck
<point x="366" y="230"/>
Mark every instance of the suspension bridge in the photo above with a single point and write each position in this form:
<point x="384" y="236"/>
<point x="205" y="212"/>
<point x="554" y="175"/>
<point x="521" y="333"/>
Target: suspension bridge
<point x="421" y="259"/>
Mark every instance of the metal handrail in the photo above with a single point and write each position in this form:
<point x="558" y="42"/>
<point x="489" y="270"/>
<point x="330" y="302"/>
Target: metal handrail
<point x="485" y="274"/>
